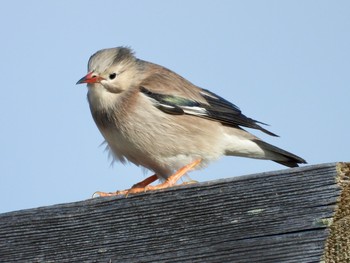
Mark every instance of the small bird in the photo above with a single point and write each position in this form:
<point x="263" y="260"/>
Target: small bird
<point x="154" y="118"/>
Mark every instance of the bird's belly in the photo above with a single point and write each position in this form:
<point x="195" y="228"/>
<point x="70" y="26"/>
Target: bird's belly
<point x="120" y="148"/>
<point x="165" y="145"/>
<point x="161" y="161"/>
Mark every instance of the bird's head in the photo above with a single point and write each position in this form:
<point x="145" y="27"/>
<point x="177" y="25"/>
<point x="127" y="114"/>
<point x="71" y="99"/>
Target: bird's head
<point x="111" y="69"/>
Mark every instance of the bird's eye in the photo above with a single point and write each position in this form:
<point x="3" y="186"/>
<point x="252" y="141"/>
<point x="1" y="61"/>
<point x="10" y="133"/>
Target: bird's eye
<point x="112" y="76"/>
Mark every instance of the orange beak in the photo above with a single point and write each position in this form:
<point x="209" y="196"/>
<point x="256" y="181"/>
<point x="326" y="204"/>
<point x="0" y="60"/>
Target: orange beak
<point x="90" y="78"/>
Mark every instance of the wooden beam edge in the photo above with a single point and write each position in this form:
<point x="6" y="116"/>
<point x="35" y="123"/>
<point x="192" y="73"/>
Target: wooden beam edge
<point x="333" y="243"/>
<point x="287" y="171"/>
<point x="337" y="245"/>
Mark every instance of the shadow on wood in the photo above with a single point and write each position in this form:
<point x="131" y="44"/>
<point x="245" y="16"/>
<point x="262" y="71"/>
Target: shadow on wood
<point x="280" y="216"/>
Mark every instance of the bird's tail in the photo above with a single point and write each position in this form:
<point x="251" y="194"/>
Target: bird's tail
<point x="279" y="155"/>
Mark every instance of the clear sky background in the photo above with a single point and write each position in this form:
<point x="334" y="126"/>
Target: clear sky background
<point x="286" y="63"/>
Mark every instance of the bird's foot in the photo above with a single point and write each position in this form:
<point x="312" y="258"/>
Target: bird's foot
<point x="190" y="182"/>
<point x="144" y="185"/>
<point x="136" y="188"/>
<point x="171" y="181"/>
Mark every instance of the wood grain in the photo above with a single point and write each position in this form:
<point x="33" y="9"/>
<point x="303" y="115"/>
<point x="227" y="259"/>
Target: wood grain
<point x="279" y="216"/>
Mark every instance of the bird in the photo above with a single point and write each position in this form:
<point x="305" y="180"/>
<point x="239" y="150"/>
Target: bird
<point x="155" y="118"/>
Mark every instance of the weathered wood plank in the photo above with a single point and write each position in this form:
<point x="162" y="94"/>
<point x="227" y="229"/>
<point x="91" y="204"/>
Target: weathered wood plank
<point x="337" y="247"/>
<point x="277" y="216"/>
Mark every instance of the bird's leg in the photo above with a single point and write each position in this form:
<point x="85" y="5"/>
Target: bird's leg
<point x="170" y="181"/>
<point x="144" y="185"/>
<point x="141" y="185"/>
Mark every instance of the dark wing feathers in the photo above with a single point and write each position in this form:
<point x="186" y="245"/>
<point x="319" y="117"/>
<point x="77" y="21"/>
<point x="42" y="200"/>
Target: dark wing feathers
<point x="229" y="114"/>
<point x="164" y="102"/>
<point x="216" y="108"/>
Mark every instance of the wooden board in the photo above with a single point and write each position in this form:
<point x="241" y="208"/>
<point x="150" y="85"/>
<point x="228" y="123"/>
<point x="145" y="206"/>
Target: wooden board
<point x="279" y="216"/>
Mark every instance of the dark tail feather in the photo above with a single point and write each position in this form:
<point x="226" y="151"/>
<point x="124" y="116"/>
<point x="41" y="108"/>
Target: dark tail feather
<point x="286" y="158"/>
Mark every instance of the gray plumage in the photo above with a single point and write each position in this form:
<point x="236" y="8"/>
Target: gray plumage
<point x="155" y="118"/>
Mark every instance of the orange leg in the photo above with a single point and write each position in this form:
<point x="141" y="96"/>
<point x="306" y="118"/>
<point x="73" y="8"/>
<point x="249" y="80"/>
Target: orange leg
<point x="141" y="185"/>
<point x="144" y="185"/>
<point x="169" y="182"/>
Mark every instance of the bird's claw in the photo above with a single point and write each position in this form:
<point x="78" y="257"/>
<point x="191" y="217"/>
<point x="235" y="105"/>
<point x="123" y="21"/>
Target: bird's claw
<point x="105" y="194"/>
<point x="134" y="190"/>
<point x="145" y="186"/>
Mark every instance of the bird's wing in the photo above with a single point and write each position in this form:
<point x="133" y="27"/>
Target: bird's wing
<point x="194" y="101"/>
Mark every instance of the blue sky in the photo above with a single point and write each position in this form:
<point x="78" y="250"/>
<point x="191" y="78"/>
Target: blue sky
<point x="285" y="63"/>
